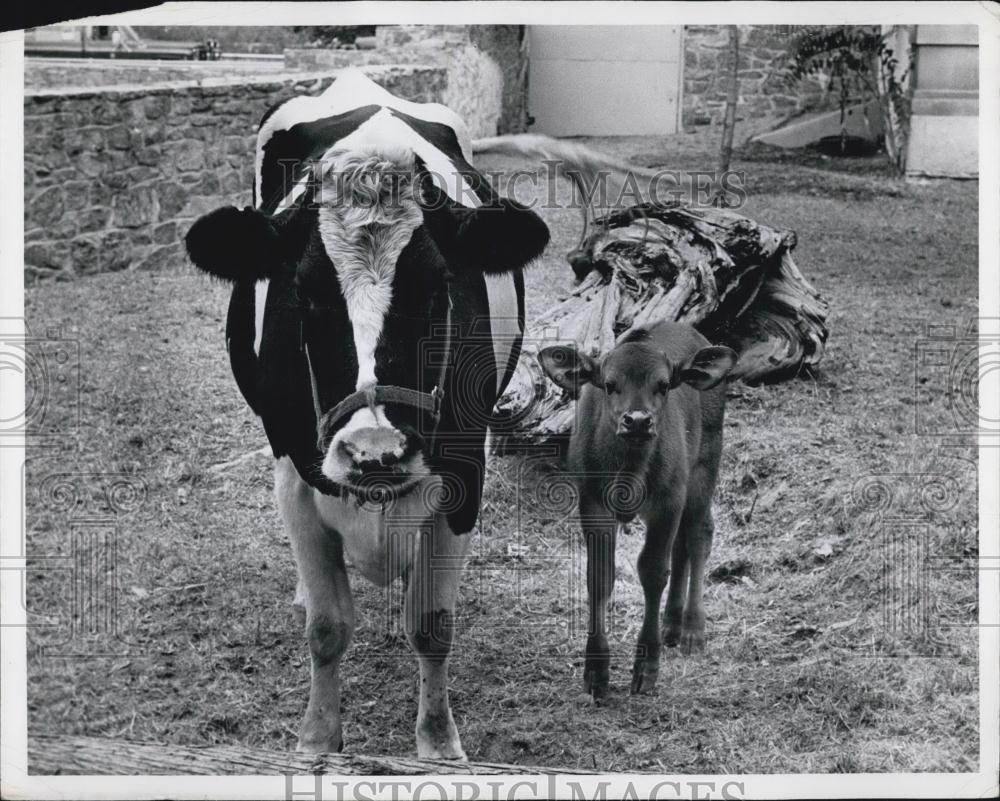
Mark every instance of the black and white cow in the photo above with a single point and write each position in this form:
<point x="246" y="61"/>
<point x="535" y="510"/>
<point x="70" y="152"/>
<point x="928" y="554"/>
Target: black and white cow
<point x="376" y="315"/>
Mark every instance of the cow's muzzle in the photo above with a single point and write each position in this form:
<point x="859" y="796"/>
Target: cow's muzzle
<point x="376" y="461"/>
<point x="427" y="402"/>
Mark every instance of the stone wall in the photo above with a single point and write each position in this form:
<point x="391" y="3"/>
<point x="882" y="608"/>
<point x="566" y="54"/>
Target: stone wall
<point x="113" y="178"/>
<point x="52" y="73"/>
<point x="764" y="91"/>
<point x="507" y="45"/>
<point x="487" y="67"/>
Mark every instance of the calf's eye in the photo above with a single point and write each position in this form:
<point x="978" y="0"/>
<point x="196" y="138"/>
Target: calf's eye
<point x="662" y="387"/>
<point x="610" y="387"/>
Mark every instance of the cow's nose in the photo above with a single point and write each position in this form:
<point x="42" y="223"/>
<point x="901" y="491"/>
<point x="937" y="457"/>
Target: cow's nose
<point x="374" y="449"/>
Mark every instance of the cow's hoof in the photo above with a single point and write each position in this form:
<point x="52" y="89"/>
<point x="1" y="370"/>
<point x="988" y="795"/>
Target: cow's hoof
<point x="332" y="745"/>
<point x="456" y="753"/>
<point x="437" y="738"/>
<point x="672" y="636"/>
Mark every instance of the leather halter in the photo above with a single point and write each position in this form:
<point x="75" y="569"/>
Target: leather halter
<point x="428" y="402"/>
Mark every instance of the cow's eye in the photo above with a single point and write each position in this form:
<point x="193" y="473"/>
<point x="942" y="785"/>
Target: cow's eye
<point x="662" y="387"/>
<point x="610" y="387"/>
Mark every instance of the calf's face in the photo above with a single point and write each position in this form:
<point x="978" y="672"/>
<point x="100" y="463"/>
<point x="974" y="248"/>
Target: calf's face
<point x="370" y="251"/>
<point x="635" y="379"/>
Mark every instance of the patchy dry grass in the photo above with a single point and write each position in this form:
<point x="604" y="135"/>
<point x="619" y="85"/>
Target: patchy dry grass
<point x="842" y="603"/>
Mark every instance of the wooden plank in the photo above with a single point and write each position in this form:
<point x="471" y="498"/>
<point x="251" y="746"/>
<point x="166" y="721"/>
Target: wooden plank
<point x="50" y="755"/>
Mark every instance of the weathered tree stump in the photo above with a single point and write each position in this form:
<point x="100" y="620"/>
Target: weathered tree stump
<point x="731" y="277"/>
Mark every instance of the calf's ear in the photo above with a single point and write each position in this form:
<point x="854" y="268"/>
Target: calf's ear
<point x="568" y="368"/>
<point x="235" y="245"/>
<point x="706" y="368"/>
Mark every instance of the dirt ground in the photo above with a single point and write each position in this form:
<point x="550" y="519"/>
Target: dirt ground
<point x="842" y="601"/>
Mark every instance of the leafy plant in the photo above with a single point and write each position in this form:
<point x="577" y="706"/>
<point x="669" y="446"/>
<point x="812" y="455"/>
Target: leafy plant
<point x="331" y="35"/>
<point x="859" y="60"/>
<point x="232" y="38"/>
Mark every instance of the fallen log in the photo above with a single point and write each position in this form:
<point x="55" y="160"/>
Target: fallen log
<point x="50" y="755"/>
<point x="731" y="277"/>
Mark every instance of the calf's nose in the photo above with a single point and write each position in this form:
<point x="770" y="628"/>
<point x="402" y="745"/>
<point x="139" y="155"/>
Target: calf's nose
<point x="636" y="424"/>
<point x="372" y="449"/>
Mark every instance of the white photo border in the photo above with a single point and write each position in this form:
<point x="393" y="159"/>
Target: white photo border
<point x="13" y="720"/>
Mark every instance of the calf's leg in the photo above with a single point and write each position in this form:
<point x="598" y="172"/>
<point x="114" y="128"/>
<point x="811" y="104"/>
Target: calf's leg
<point x="677" y="592"/>
<point x="700" y="531"/>
<point x="329" y="607"/>
<point x="429" y="620"/>
<point x="599" y="533"/>
<point x="661" y="530"/>
<point x="697" y="530"/>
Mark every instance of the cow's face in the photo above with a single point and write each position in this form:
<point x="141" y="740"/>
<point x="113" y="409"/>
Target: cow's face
<point x="370" y="251"/>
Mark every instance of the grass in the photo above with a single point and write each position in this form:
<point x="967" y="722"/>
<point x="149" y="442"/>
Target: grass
<point x="842" y="630"/>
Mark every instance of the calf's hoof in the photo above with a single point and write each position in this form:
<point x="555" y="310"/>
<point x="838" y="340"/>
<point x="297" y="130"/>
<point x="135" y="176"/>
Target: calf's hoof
<point x="693" y="642"/>
<point x="596" y="667"/>
<point x="596" y="680"/>
<point x="644" y="677"/>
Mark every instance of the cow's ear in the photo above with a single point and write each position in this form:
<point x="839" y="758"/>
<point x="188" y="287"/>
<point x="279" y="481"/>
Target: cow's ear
<point x="499" y="237"/>
<point x="236" y="245"/>
<point x="568" y="367"/>
<point x="706" y="368"/>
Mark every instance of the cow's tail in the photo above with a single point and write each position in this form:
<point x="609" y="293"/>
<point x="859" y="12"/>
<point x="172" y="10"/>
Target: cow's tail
<point x="581" y="164"/>
<point x="569" y="156"/>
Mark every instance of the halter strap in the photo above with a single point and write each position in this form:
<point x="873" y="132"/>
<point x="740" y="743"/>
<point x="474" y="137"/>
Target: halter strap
<point x="429" y="402"/>
<point x="373" y="394"/>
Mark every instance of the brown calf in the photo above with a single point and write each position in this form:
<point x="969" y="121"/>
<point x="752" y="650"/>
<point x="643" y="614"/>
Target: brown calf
<point x="648" y="440"/>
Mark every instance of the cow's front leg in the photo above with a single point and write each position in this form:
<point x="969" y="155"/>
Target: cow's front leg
<point x="329" y="607"/>
<point x="299" y="602"/>
<point x="429" y="620"/>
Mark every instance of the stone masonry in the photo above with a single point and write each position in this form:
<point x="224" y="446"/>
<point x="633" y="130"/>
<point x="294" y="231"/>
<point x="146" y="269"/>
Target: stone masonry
<point x="113" y="178"/>
<point x="764" y="91"/>
<point x="63" y="73"/>
<point x="487" y="67"/>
